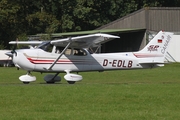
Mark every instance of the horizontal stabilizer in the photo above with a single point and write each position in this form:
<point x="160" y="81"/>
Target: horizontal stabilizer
<point x="152" y="63"/>
<point x="155" y="64"/>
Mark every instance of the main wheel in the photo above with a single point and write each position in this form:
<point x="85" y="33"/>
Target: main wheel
<point x="71" y="82"/>
<point x="50" y="82"/>
<point x="26" y="82"/>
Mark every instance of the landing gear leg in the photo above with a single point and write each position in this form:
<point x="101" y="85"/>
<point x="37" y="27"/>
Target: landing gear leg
<point x="28" y="73"/>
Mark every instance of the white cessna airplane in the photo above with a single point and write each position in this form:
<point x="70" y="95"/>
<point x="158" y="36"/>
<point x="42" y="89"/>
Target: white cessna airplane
<point x="72" y="55"/>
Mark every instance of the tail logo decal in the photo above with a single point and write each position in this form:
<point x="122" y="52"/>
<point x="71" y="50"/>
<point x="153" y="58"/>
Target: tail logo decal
<point x="153" y="48"/>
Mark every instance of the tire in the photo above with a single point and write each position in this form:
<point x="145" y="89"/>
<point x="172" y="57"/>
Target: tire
<point x="71" y="82"/>
<point x="50" y="82"/>
<point x="26" y="82"/>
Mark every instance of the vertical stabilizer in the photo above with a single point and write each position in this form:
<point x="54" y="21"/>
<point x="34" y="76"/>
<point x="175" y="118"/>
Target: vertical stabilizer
<point x="156" y="49"/>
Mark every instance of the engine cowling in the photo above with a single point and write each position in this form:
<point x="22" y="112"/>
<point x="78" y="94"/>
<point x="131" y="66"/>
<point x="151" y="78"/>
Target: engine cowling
<point x="73" y="77"/>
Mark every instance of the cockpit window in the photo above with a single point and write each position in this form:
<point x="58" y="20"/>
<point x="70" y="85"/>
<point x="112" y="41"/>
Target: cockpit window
<point x="71" y="51"/>
<point x="79" y="52"/>
<point x="68" y="51"/>
<point x="60" y="49"/>
<point x="46" y="46"/>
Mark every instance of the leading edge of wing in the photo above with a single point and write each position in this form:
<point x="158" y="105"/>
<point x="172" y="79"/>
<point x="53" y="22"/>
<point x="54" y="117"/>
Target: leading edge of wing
<point x="26" y="42"/>
<point x="83" y="38"/>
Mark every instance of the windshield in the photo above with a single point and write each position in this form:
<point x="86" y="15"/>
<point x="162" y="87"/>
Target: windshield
<point x="46" y="46"/>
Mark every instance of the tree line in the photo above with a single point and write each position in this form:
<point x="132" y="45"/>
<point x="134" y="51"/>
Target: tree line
<point x="19" y="18"/>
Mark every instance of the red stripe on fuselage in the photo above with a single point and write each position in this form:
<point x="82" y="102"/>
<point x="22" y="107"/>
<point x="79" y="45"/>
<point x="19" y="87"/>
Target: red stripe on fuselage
<point x="34" y="61"/>
<point x="141" y="55"/>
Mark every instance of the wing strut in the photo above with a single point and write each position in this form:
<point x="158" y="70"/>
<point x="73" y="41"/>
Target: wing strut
<point x="50" y="67"/>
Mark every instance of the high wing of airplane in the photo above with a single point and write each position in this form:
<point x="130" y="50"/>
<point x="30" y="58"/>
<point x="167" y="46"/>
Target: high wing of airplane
<point x="71" y="55"/>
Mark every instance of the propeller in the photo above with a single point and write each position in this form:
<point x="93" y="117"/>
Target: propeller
<point x="13" y="51"/>
<point x="15" y="47"/>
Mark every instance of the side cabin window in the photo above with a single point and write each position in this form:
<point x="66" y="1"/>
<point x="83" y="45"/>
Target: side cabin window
<point x="60" y="49"/>
<point x="79" y="52"/>
<point x="71" y="51"/>
<point x="68" y="51"/>
<point x="46" y="46"/>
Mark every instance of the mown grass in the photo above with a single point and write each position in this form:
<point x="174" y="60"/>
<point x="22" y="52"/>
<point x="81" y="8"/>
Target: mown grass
<point x="111" y="95"/>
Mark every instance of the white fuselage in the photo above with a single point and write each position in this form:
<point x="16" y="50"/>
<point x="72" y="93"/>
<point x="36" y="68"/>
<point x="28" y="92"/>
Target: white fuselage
<point x="40" y="60"/>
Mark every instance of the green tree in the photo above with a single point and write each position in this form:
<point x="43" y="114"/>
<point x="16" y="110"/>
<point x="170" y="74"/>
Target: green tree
<point x="26" y="17"/>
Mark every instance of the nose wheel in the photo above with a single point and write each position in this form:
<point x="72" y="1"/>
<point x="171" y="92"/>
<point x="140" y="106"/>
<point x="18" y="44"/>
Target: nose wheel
<point x="26" y="82"/>
<point x="71" y="82"/>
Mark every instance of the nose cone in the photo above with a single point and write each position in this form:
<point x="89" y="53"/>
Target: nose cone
<point x="20" y="60"/>
<point x="9" y="54"/>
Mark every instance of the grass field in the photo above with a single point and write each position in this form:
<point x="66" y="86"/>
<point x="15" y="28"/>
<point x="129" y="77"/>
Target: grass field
<point x="151" y="94"/>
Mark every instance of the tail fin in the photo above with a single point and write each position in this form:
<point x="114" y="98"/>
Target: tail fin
<point x="156" y="50"/>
